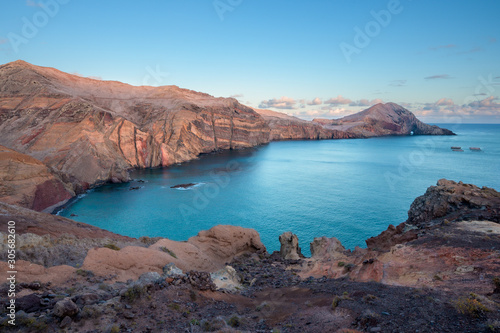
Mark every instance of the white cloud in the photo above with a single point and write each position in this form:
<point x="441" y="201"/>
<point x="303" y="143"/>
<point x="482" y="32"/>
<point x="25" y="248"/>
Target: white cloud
<point x="444" y="101"/>
<point x="316" y="101"/>
<point x="281" y="103"/>
<point x="338" y="100"/>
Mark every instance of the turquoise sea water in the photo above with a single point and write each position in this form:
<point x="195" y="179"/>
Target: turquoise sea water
<point x="349" y="189"/>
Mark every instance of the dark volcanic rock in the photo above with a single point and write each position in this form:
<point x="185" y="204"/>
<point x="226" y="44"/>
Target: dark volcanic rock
<point x="454" y="201"/>
<point x="188" y="185"/>
<point x="29" y="303"/>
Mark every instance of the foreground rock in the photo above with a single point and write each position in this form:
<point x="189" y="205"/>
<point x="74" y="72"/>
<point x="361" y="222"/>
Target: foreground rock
<point x="439" y="274"/>
<point x="450" y="240"/>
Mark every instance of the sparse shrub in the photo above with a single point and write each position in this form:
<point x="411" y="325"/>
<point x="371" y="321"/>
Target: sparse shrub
<point x="493" y="326"/>
<point x="214" y="325"/>
<point x="263" y="306"/>
<point x="174" y="306"/>
<point x="348" y="267"/>
<point x="164" y="249"/>
<point x="145" y="239"/>
<point x="194" y="322"/>
<point x="112" y="246"/>
<point x="34" y="324"/>
<point x="84" y="273"/>
<point x="133" y="293"/>
<point x="336" y="302"/>
<point x="115" y="329"/>
<point x="471" y="306"/>
<point x="90" y="311"/>
<point x="496" y="284"/>
<point x="369" y="298"/>
<point x="438" y="278"/>
<point x="234" y="321"/>
<point x="368" y="318"/>
<point x="341" y="264"/>
<point x="105" y="287"/>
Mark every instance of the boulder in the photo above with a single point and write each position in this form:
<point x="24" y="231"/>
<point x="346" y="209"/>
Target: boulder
<point x="326" y="247"/>
<point x="289" y="246"/>
<point x="227" y="278"/>
<point x="65" y="307"/>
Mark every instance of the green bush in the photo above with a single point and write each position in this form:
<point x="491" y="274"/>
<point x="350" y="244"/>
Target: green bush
<point x="164" y="249"/>
<point x="112" y="246"/>
<point x="471" y="306"/>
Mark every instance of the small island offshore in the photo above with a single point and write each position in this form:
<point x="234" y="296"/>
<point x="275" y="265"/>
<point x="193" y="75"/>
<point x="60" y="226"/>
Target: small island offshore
<point x="438" y="271"/>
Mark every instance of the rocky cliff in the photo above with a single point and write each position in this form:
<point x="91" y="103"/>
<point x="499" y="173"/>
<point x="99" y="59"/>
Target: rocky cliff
<point x="92" y="131"/>
<point x="382" y="120"/>
<point x="82" y="132"/>
<point x="27" y="182"/>
<point x="286" y="127"/>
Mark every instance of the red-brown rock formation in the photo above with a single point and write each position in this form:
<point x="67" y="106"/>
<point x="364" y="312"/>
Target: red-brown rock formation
<point x="381" y="120"/>
<point x="286" y="127"/>
<point x="27" y="182"/>
<point x="93" y="131"/>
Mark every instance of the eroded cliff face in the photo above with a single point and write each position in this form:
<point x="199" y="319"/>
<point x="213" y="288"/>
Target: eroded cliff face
<point x="383" y="120"/>
<point x="27" y="182"/>
<point x="92" y="131"/>
<point x="286" y="127"/>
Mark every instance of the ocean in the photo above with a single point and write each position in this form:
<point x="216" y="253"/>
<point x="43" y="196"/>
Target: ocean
<point x="348" y="189"/>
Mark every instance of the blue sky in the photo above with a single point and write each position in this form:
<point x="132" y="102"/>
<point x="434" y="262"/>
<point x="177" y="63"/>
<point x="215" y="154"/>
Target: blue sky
<point x="440" y="59"/>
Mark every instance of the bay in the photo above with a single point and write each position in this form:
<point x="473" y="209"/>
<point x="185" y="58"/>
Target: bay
<point x="349" y="189"/>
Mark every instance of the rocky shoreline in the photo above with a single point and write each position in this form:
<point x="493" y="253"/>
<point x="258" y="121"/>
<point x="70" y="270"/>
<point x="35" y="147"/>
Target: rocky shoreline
<point x="439" y="271"/>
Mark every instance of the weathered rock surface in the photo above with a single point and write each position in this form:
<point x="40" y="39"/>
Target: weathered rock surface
<point x="382" y="120"/>
<point x="289" y="246"/>
<point x="209" y="251"/>
<point x="455" y="201"/>
<point x="323" y="246"/>
<point x="65" y="307"/>
<point x="29" y="221"/>
<point x="450" y="240"/>
<point x="27" y="182"/>
<point x="286" y="127"/>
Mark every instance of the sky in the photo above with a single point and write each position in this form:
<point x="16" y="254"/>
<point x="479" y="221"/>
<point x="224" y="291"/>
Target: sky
<point x="311" y="59"/>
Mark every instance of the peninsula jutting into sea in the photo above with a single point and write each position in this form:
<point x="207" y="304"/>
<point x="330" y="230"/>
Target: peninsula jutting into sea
<point x="63" y="134"/>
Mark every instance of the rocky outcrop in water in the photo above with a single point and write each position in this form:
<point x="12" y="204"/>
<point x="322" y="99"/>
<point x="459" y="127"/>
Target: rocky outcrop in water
<point x="382" y="120"/>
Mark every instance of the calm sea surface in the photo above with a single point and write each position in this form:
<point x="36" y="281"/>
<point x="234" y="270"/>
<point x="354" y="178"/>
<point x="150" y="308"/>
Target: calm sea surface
<point x="349" y="189"/>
